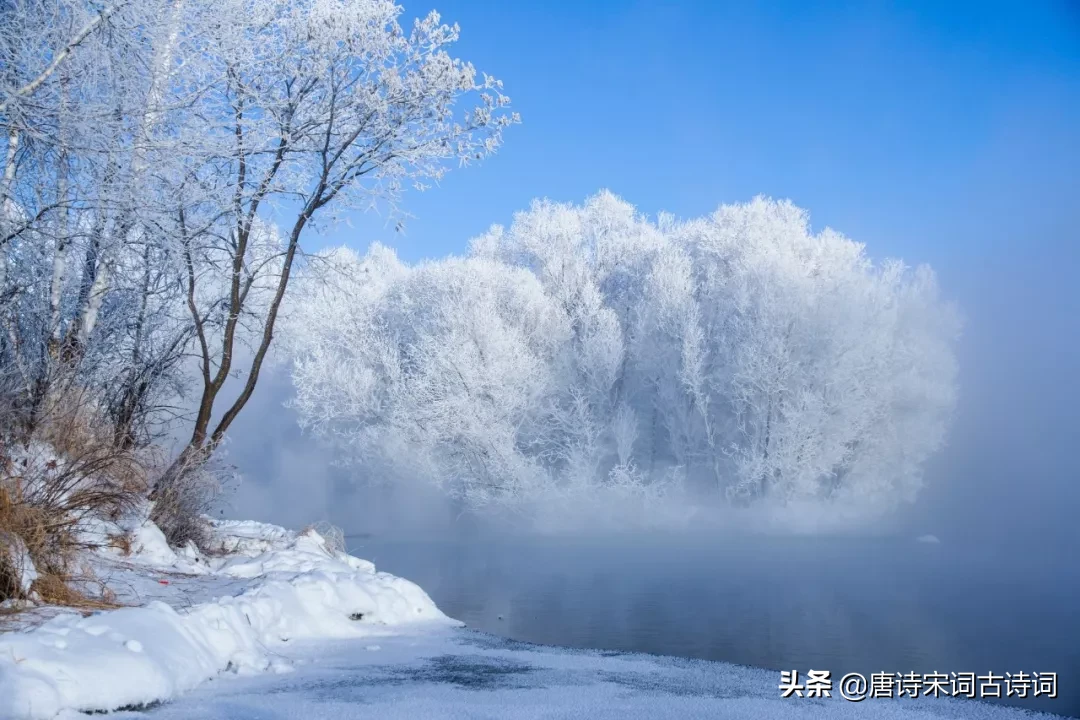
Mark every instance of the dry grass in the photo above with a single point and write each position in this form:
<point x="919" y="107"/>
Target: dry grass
<point x="69" y="591"/>
<point x="52" y="483"/>
<point x="121" y="543"/>
<point x="332" y="534"/>
<point x="184" y="495"/>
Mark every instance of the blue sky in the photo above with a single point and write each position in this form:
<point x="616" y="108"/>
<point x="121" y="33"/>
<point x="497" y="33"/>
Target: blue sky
<point x="939" y="132"/>
<point x="932" y="131"/>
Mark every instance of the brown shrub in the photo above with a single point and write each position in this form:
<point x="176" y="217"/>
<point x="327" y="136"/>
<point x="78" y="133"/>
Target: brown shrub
<point x="184" y="494"/>
<point x="51" y="484"/>
<point x="75" y="591"/>
<point x="121" y="543"/>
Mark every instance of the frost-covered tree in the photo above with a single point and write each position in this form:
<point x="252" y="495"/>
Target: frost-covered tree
<point x="440" y="371"/>
<point x="91" y="114"/>
<point x="591" y="348"/>
<point x="164" y="160"/>
<point x="319" y="105"/>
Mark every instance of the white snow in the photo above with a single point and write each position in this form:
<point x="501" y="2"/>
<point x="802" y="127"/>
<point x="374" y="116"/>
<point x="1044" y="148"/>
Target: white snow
<point x="465" y="675"/>
<point x="148" y="543"/>
<point x="294" y="588"/>
<point x="16" y="558"/>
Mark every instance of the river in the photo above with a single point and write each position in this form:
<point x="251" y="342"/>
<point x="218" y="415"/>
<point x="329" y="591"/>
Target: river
<point x="838" y="604"/>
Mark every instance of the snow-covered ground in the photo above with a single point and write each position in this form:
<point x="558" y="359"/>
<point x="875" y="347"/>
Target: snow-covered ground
<point x="198" y="617"/>
<point x="282" y="626"/>
<point x="466" y="674"/>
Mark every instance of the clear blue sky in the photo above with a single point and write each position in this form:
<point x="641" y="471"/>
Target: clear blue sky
<point x="936" y="131"/>
<point x="940" y="132"/>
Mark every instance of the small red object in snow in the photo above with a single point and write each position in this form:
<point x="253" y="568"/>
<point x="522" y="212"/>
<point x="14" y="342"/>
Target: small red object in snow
<point x="163" y="582"/>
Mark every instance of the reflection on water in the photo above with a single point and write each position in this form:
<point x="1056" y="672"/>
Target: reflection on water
<point x="840" y="605"/>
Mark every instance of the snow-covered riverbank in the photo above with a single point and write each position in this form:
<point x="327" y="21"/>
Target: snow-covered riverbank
<point x="463" y="674"/>
<point x="198" y="617"/>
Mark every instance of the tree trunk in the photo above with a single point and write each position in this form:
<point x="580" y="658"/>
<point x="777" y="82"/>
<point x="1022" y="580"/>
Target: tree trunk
<point x="7" y="206"/>
<point x="125" y="223"/>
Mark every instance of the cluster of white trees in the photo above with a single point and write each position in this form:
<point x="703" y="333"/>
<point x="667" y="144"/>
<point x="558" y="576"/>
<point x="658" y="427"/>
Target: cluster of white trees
<point x="588" y="347"/>
<point x="162" y="161"/>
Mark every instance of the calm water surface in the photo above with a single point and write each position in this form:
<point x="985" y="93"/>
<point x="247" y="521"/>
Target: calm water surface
<point x="840" y="605"/>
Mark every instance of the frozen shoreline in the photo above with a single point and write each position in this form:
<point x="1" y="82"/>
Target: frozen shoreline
<point x="463" y="673"/>
<point x="198" y="617"/>
<point x="291" y="626"/>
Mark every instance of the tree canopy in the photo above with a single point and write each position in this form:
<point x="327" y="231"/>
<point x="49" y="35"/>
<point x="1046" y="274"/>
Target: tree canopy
<point x="590" y="349"/>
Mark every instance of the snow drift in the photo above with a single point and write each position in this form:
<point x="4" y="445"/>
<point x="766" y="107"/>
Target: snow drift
<point x="293" y="586"/>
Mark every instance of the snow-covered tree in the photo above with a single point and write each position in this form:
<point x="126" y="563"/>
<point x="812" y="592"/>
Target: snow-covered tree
<point x="441" y="369"/>
<point x="319" y="105"/>
<point x="589" y="348"/>
<point x="164" y="160"/>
